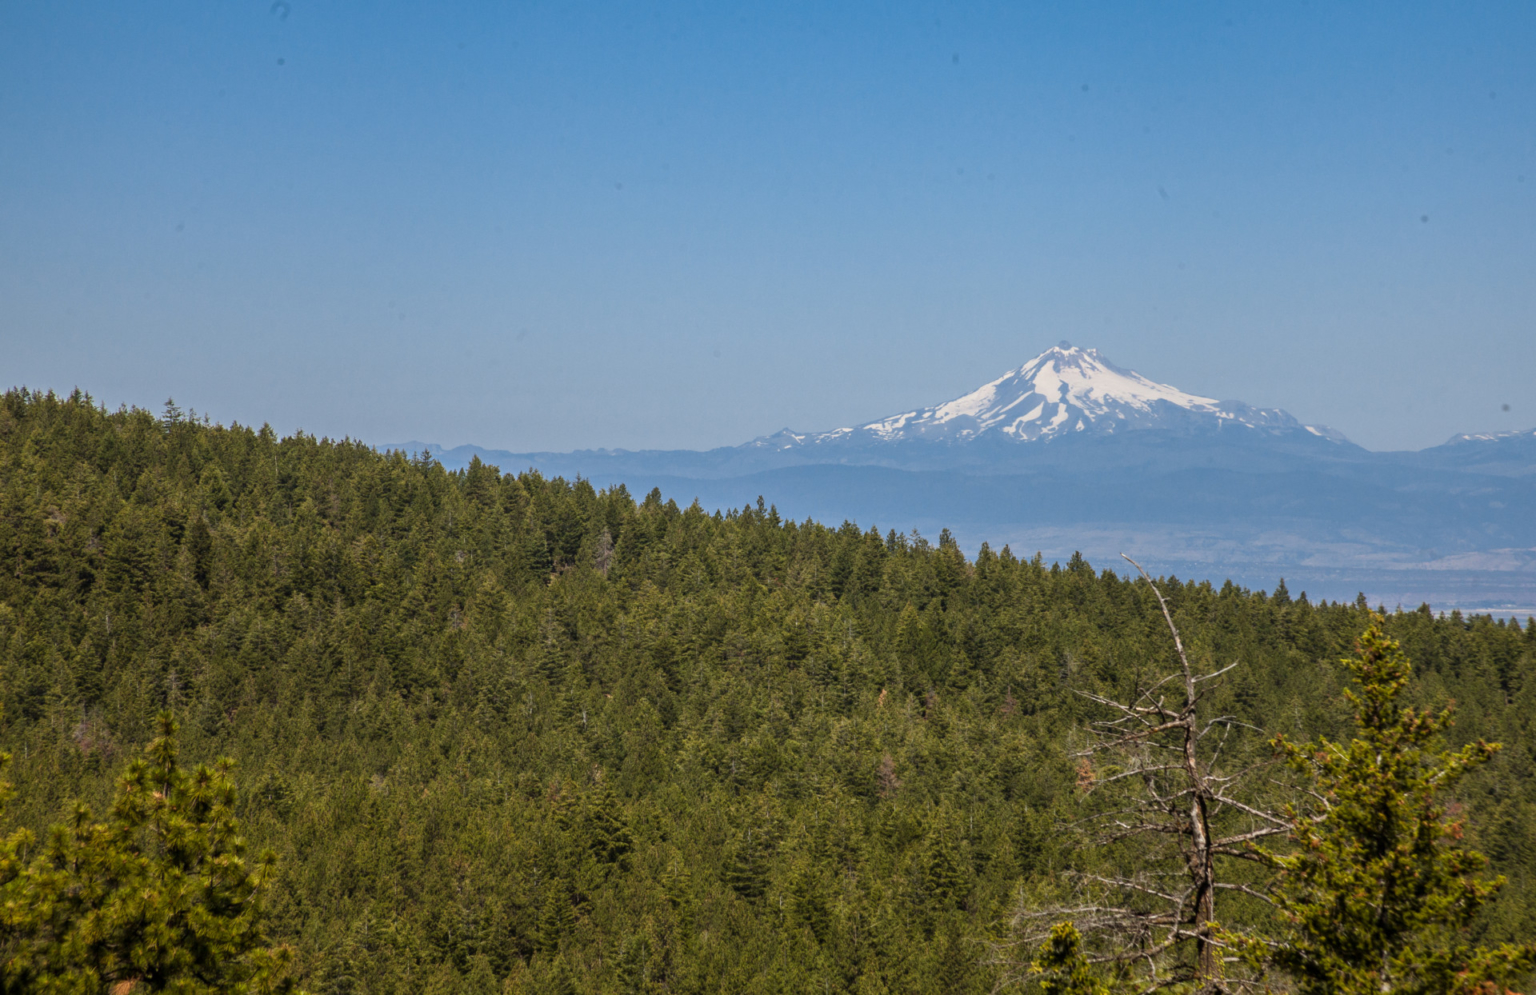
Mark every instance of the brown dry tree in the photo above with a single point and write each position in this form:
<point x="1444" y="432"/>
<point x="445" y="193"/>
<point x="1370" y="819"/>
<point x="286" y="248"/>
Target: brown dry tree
<point x="1174" y="817"/>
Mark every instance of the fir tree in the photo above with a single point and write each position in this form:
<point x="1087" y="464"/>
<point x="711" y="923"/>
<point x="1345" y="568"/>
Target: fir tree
<point x="955" y="968"/>
<point x="607" y="831"/>
<point x="557" y="915"/>
<point x="1380" y="894"/>
<point x="157" y="898"/>
<point x="1062" y="967"/>
<point x="390" y="645"/>
<point x="943" y="877"/>
<point x="746" y="871"/>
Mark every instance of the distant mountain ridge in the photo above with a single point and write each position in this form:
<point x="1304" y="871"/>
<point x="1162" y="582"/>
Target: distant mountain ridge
<point x="1071" y="452"/>
<point x="1522" y="434"/>
<point x="1112" y="416"/>
<point x="1066" y="407"/>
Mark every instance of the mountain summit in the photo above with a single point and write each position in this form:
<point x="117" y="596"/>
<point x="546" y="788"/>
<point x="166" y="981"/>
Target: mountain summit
<point x="1064" y="391"/>
<point x="1071" y="452"/>
<point x="1027" y="419"/>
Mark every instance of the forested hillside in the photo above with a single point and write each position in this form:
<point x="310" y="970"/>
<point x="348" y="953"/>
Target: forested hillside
<point x="513" y="734"/>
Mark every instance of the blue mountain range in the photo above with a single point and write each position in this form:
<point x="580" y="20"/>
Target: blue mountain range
<point x="1072" y="453"/>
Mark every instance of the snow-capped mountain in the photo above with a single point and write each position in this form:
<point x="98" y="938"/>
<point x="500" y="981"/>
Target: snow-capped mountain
<point x="1061" y="392"/>
<point x="1505" y="454"/>
<point x="1070" y="452"/>
<point x="1497" y="437"/>
<point x="1026" y="420"/>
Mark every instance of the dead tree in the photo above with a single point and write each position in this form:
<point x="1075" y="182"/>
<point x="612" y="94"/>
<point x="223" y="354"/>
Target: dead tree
<point x="1182" y="810"/>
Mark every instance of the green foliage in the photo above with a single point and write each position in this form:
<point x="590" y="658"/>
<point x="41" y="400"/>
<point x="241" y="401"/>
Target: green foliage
<point x="746" y="869"/>
<point x="158" y="898"/>
<point x="707" y="753"/>
<point x="944" y="880"/>
<point x="1381" y="894"/>
<point x="607" y="830"/>
<point x="1061" y="966"/>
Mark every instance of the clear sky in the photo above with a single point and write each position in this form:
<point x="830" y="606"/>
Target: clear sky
<point x="551" y="226"/>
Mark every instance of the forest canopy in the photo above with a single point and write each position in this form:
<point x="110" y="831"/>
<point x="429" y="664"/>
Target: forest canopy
<point x="509" y="733"/>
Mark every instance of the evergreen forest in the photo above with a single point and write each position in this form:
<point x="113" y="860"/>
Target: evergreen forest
<point x="504" y="733"/>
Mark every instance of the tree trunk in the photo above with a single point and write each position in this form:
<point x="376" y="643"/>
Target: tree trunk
<point x="1203" y="872"/>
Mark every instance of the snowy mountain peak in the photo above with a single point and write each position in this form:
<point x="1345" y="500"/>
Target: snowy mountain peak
<point x="1067" y="390"/>
<point x="1466" y="437"/>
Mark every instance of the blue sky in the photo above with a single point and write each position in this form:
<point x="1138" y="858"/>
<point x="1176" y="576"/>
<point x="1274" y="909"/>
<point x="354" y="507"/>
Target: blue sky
<point x="541" y="226"/>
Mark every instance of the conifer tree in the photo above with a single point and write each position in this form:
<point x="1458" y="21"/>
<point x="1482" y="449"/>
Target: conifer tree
<point x="677" y="886"/>
<point x="159" y="898"/>
<point x="943" y="878"/>
<point x="746" y="869"/>
<point x="632" y="966"/>
<point x="1379" y="894"/>
<point x="557" y="916"/>
<point x="1062" y="967"/>
<point x="608" y="835"/>
<point x="955" y="968"/>
<point x="14" y="914"/>
<point x="808" y="904"/>
<point x="391" y="645"/>
<point x="1178" y="810"/>
<point x="558" y="980"/>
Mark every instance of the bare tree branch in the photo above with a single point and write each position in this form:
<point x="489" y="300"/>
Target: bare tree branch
<point x="1178" y="811"/>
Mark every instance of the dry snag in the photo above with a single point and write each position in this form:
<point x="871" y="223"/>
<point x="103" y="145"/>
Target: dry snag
<point x="1155" y="763"/>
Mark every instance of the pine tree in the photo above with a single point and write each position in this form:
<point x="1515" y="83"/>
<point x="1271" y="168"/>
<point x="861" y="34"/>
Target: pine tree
<point x="557" y="915"/>
<point x="943" y="877"/>
<point x="746" y="869"/>
<point x="558" y="980"/>
<point x="159" y="897"/>
<point x="481" y="977"/>
<point x="1379" y="895"/>
<point x="632" y="966"/>
<point x="607" y="831"/>
<point x="1062" y="967"/>
<point x="955" y="972"/>
<point x="676" y="884"/>
<point x="808" y="904"/>
<point x="15" y="912"/>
